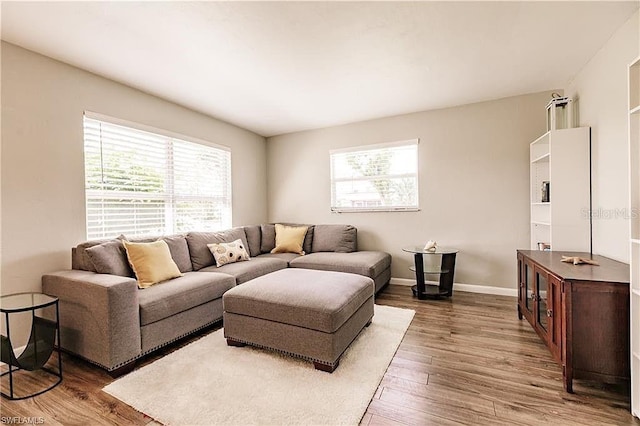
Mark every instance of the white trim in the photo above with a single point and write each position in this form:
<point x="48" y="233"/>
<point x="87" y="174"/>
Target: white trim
<point x="373" y="209"/>
<point x="151" y="129"/>
<point x="470" y="288"/>
<point x="415" y="141"/>
<point x="376" y="177"/>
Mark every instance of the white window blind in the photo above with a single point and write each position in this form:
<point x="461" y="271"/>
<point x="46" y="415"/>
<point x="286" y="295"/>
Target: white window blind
<point x="142" y="183"/>
<point x="382" y="177"/>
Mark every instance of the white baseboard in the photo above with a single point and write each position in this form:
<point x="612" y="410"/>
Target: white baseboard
<point x="471" y="288"/>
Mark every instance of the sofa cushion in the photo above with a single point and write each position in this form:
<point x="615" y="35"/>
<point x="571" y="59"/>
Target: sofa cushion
<point x="287" y="257"/>
<point x="110" y="258"/>
<point x="179" y="251"/>
<point x="367" y="263"/>
<point x="336" y="238"/>
<point x="225" y="253"/>
<point x="179" y="294"/>
<point x="268" y="237"/>
<point x="254" y="238"/>
<point x="315" y="300"/>
<point x="177" y="247"/>
<point x="245" y="271"/>
<point x="80" y="259"/>
<point x="289" y="239"/>
<point x="151" y="262"/>
<point x="201" y="256"/>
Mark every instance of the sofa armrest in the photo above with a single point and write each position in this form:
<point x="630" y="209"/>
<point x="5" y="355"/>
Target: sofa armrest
<point x="99" y="315"/>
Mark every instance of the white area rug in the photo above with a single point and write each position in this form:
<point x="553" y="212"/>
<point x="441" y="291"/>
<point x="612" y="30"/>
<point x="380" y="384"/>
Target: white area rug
<point x="208" y="382"/>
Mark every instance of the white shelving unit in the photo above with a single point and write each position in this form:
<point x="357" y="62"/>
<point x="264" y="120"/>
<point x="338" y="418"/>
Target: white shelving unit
<point x="562" y="158"/>
<point x="634" y="240"/>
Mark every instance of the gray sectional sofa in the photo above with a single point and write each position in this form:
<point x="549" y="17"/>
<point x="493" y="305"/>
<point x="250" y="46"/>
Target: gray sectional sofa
<point x="106" y="319"/>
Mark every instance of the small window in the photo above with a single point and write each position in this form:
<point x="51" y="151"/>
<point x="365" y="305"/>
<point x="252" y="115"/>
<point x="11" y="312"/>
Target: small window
<point x="382" y="177"/>
<point x="142" y="182"/>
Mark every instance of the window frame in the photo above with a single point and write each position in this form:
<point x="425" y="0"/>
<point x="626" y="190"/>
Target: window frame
<point x="373" y="147"/>
<point x="169" y="213"/>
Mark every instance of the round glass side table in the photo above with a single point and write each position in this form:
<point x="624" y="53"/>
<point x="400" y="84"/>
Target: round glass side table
<point x="445" y="272"/>
<point x="44" y="334"/>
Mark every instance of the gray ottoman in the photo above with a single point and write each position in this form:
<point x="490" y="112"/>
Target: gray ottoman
<point x="305" y="313"/>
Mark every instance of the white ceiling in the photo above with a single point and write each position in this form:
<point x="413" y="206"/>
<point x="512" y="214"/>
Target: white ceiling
<point x="280" y="67"/>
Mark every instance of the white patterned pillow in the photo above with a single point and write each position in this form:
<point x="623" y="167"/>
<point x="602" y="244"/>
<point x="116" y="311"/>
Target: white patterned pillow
<point x="229" y="252"/>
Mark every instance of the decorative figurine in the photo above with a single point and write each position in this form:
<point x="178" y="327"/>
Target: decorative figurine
<point x="578" y="260"/>
<point x="430" y="246"/>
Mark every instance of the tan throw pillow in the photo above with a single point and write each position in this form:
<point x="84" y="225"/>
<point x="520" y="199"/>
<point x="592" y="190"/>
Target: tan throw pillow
<point x="225" y="253"/>
<point x="151" y="262"/>
<point x="289" y="239"/>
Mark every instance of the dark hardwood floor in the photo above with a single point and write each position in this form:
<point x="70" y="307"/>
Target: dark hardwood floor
<point x="467" y="360"/>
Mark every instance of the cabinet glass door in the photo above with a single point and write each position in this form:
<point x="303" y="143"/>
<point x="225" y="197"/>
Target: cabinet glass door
<point x="542" y="297"/>
<point x="528" y="286"/>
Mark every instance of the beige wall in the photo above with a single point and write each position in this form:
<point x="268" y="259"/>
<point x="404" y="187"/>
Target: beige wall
<point x="601" y="90"/>
<point x="43" y="210"/>
<point x="474" y="192"/>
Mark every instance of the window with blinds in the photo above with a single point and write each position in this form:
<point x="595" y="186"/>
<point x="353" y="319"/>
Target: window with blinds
<point x="141" y="182"/>
<point x="382" y="177"/>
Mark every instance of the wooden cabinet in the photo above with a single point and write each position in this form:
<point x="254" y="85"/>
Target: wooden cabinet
<point x="581" y="312"/>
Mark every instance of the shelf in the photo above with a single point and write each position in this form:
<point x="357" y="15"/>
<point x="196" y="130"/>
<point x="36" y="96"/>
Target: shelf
<point x="541" y="204"/>
<point x="540" y="223"/>
<point x="544" y="157"/>
<point x="635" y="241"/>
<point x="636" y="291"/>
<point x="635" y="110"/>
<point x="542" y="138"/>
<point x="431" y="271"/>
<point x="431" y="291"/>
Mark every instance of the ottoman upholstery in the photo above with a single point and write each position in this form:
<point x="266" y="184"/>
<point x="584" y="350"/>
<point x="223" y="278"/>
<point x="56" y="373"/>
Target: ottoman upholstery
<point x="306" y="313"/>
<point x="373" y="264"/>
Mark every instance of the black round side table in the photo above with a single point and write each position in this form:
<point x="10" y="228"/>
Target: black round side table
<point x="446" y="272"/>
<point x="42" y="340"/>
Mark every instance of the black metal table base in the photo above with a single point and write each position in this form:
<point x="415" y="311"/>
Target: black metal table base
<point x="12" y="397"/>
<point x="430" y="292"/>
<point x="41" y="345"/>
<point x="446" y="272"/>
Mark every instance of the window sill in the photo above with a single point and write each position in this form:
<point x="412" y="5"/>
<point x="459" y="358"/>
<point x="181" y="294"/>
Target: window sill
<point x="374" y="210"/>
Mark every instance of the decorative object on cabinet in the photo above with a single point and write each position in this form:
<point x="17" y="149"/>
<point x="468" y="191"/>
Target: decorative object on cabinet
<point x="580" y="312"/>
<point x="576" y="260"/>
<point x="544" y="246"/>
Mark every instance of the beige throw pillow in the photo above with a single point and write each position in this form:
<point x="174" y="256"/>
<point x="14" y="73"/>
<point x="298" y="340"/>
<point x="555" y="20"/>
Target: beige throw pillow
<point x="151" y="262"/>
<point x="225" y="253"/>
<point x="289" y="239"/>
